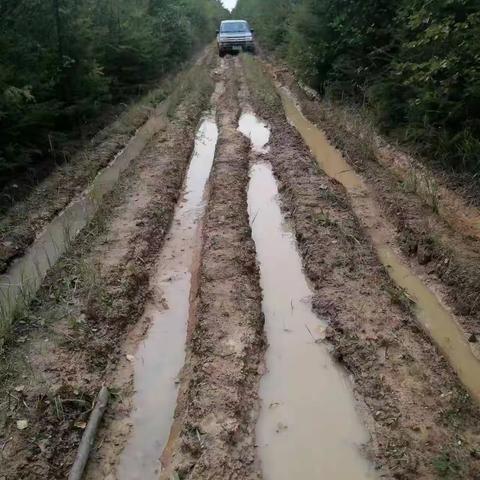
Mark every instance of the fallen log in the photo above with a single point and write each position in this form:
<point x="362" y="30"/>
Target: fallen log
<point x="88" y="437"/>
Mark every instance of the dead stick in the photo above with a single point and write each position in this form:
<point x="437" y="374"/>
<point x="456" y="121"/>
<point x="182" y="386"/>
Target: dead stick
<point x="88" y="437"/>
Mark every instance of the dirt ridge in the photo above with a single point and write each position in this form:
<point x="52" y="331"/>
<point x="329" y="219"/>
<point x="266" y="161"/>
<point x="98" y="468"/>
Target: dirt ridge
<point x="217" y="420"/>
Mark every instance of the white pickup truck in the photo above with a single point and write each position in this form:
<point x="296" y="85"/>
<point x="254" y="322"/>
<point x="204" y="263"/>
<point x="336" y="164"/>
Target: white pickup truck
<point x="235" y="36"/>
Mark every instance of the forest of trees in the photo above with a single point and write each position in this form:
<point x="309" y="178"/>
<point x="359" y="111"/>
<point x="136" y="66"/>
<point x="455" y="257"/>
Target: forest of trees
<point x="415" y="64"/>
<point x="63" y="61"/>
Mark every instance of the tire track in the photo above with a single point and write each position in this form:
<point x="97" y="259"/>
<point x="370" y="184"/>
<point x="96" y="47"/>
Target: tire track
<point x="417" y="411"/>
<point x="214" y="432"/>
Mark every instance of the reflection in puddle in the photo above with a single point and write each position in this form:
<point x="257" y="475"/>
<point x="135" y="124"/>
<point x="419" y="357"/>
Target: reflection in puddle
<point x="257" y="131"/>
<point x="308" y="426"/>
<point x="160" y="357"/>
<point x="26" y="274"/>
<point x="435" y="319"/>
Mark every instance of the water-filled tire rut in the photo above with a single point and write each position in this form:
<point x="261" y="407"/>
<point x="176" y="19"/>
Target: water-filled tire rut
<point x="216" y="416"/>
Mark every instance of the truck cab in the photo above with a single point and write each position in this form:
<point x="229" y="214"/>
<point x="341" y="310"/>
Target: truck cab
<point x="235" y="36"/>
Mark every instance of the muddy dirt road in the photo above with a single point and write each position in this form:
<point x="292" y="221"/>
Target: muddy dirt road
<point x="260" y="304"/>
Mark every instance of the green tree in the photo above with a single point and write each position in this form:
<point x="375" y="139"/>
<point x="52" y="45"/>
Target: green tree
<point x="414" y="63"/>
<point x="61" y="61"/>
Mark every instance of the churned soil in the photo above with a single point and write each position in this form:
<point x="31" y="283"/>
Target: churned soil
<point x="214" y="430"/>
<point x="435" y="227"/>
<point x="85" y="321"/>
<point x="422" y="422"/>
<point x="75" y="333"/>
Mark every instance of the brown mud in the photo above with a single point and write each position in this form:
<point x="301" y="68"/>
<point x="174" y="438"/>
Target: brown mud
<point x="160" y="356"/>
<point x="435" y="227"/>
<point x="305" y="429"/>
<point x="74" y="335"/>
<point x="29" y="214"/>
<point x="440" y="324"/>
<point x="213" y="434"/>
<point x="300" y="269"/>
<point x="25" y="275"/>
<point x="309" y="426"/>
<point x="423" y="422"/>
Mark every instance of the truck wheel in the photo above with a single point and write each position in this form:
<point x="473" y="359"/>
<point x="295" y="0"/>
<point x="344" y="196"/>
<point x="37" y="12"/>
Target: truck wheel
<point x="221" y="53"/>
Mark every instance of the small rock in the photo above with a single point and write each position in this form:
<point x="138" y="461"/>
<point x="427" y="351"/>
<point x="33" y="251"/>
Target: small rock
<point x="424" y="254"/>
<point x="80" y="425"/>
<point x="20" y="388"/>
<point x="472" y="338"/>
<point x="130" y="358"/>
<point x="281" y="427"/>
<point x="22" y="424"/>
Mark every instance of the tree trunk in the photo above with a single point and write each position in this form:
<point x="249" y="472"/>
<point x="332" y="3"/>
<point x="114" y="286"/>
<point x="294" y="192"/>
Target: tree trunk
<point x="58" y="25"/>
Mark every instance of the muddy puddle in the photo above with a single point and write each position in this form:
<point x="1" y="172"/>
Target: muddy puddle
<point x="256" y="130"/>
<point x="160" y="356"/>
<point x="308" y="426"/>
<point x="432" y="315"/>
<point x="25" y="275"/>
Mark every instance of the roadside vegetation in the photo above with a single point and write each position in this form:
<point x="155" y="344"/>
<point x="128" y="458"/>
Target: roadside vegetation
<point x="64" y="342"/>
<point x="62" y="62"/>
<point x="412" y="65"/>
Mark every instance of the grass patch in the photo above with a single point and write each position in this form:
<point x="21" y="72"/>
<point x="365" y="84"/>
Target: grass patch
<point x="424" y="185"/>
<point x="194" y="89"/>
<point x="323" y="219"/>
<point x="459" y="411"/>
<point x="398" y="296"/>
<point x="260" y="84"/>
<point x="447" y="467"/>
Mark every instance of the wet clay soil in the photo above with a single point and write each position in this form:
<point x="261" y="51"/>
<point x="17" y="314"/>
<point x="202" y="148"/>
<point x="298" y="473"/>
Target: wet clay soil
<point x="308" y="425"/>
<point x="216" y="416"/>
<point x="442" y="244"/>
<point x="302" y="357"/>
<point x="25" y="275"/>
<point x="409" y="390"/>
<point x="161" y="354"/>
<point x="84" y="340"/>
<point x="431" y="314"/>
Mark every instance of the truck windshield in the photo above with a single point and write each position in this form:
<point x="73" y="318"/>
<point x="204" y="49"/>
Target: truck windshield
<point x="234" y="27"/>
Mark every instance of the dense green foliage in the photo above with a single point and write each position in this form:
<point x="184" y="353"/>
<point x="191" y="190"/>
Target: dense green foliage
<point x="414" y="63"/>
<point x="61" y="61"/>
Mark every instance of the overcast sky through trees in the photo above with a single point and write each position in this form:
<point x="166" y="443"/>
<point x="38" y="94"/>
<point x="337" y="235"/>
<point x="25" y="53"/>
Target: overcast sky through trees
<point x="229" y="3"/>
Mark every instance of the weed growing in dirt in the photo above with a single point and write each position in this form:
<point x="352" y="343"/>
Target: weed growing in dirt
<point x="447" y="467"/>
<point x="460" y="409"/>
<point x="431" y="192"/>
<point x="423" y="185"/>
<point x="399" y="296"/>
<point x="323" y="219"/>
<point x="13" y="307"/>
<point x="411" y="182"/>
<point x="10" y="314"/>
